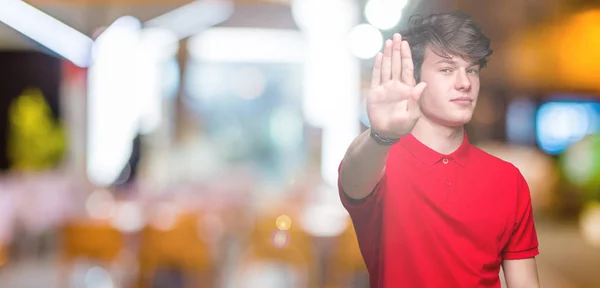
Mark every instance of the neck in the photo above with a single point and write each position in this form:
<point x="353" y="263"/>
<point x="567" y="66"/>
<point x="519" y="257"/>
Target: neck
<point x="442" y="139"/>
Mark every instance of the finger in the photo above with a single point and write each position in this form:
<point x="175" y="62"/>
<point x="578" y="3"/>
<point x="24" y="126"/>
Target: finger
<point x="417" y="91"/>
<point x="386" y="66"/>
<point x="376" y="77"/>
<point x="413" y="101"/>
<point x="408" y="76"/>
<point x="397" y="57"/>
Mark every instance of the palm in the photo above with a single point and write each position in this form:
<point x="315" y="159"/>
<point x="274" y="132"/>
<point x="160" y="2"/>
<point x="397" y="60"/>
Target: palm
<point x="392" y="102"/>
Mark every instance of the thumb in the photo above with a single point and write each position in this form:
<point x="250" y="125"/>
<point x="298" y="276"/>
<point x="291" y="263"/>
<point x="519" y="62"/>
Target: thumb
<point x="418" y="90"/>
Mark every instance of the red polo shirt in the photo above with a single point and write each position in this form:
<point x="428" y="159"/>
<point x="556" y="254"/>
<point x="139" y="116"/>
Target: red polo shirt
<point x="439" y="220"/>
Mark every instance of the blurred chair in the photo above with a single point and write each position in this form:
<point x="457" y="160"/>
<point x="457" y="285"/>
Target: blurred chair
<point x="287" y="255"/>
<point x="178" y="249"/>
<point x="347" y="268"/>
<point x="95" y="241"/>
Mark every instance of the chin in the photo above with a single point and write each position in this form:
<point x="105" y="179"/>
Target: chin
<point x="458" y="121"/>
<point x="449" y="118"/>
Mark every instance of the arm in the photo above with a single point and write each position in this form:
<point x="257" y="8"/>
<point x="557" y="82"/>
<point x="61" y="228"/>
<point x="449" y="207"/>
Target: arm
<point x="392" y="106"/>
<point x="519" y="264"/>
<point x="521" y="273"/>
<point x="363" y="166"/>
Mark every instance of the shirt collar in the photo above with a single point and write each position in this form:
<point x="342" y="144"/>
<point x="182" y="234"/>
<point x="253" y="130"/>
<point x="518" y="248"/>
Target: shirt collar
<point x="430" y="156"/>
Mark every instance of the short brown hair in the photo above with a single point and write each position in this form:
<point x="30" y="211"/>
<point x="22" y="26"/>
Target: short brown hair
<point x="454" y="33"/>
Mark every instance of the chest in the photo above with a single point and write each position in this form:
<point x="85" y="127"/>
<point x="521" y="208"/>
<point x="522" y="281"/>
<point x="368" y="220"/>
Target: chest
<point x="448" y="204"/>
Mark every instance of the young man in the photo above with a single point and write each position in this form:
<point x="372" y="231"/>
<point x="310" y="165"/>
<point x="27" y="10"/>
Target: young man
<point x="430" y="209"/>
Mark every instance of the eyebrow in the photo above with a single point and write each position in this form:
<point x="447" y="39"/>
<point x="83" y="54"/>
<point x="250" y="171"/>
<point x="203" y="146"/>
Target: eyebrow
<point x="452" y="62"/>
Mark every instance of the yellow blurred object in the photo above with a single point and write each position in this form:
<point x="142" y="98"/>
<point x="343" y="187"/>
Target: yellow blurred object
<point x="3" y="257"/>
<point x="578" y="53"/>
<point x="559" y="55"/>
<point x="93" y="240"/>
<point x="88" y="240"/>
<point x="283" y="222"/>
<point x="179" y="247"/>
<point x="35" y="141"/>
<point x="292" y="246"/>
<point x="530" y="61"/>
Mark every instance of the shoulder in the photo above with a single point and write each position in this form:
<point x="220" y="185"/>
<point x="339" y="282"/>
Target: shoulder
<point x="490" y="163"/>
<point x="506" y="178"/>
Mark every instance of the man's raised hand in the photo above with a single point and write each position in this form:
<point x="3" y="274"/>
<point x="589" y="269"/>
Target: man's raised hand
<point x="393" y="99"/>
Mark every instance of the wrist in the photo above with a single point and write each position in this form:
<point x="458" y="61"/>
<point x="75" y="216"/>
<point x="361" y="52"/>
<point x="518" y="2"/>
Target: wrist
<point x="383" y="140"/>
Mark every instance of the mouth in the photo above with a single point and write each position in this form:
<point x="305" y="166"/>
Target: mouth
<point x="462" y="100"/>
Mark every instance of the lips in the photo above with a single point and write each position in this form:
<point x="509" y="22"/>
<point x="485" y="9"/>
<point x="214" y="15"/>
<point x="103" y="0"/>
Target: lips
<point x="462" y="99"/>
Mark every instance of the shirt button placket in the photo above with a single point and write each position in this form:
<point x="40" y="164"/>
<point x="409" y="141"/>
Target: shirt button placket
<point x="448" y="182"/>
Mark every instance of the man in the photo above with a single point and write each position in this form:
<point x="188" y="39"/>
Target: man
<point x="430" y="209"/>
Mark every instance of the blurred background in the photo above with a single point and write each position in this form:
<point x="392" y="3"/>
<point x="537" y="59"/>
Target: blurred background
<point x="155" y="143"/>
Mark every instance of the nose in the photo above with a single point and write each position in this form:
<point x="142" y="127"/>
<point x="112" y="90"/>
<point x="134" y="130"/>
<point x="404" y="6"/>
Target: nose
<point x="463" y="83"/>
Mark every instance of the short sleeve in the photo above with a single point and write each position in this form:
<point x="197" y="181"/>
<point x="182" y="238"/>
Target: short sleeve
<point x="361" y="210"/>
<point x="523" y="242"/>
<point x="366" y="215"/>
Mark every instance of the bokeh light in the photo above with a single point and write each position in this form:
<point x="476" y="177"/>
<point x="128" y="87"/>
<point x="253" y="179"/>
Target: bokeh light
<point x="283" y="222"/>
<point x="164" y="216"/>
<point x="384" y="14"/>
<point x="581" y="164"/>
<point x="560" y="124"/>
<point x="280" y="239"/>
<point x="100" y="205"/>
<point x="128" y="217"/>
<point x="590" y="223"/>
<point x="365" y="41"/>
<point x="98" y="277"/>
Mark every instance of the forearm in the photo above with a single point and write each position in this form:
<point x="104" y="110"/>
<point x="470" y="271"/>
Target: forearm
<point x="521" y="273"/>
<point x="363" y="166"/>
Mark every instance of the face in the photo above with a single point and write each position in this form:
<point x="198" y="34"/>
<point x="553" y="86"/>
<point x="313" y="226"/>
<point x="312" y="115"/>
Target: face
<point x="452" y="89"/>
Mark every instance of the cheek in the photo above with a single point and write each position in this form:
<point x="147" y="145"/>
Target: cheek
<point x="431" y="102"/>
<point x="434" y="95"/>
<point x="439" y="84"/>
<point x="475" y="86"/>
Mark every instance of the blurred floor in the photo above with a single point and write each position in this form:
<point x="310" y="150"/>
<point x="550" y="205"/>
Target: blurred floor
<point x="566" y="261"/>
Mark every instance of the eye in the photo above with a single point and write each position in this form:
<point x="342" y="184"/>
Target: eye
<point x="445" y="70"/>
<point x="473" y="71"/>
